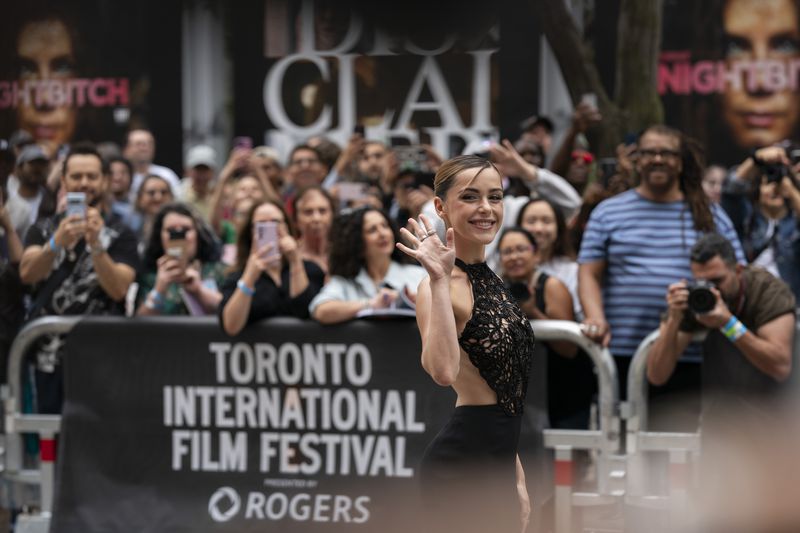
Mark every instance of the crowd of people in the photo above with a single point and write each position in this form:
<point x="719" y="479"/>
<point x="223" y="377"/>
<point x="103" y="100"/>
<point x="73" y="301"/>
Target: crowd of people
<point x="103" y="230"/>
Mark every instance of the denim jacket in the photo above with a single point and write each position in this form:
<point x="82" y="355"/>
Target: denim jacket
<point x="752" y="227"/>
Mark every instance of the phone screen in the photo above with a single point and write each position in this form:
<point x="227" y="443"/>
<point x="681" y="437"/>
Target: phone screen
<point x="267" y="233"/>
<point x="76" y="204"/>
<point x="349" y="191"/>
<point x="176" y="246"/>
<point x="243" y="142"/>
<point x="590" y="99"/>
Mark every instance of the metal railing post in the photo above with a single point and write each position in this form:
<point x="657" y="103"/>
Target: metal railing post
<point x="15" y="421"/>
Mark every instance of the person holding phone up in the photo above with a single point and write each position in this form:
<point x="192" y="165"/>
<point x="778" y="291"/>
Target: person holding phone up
<point x="270" y="277"/>
<point x="181" y="266"/>
<point x="81" y="262"/>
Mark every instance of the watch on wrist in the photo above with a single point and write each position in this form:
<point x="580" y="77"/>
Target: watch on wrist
<point x="96" y="250"/>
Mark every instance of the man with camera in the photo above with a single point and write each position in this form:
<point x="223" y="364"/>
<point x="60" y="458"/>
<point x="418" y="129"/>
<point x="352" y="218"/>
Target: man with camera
<point x="763" y="201"/>
<point x="750" y="318"/>
<point x="81" y="261"/>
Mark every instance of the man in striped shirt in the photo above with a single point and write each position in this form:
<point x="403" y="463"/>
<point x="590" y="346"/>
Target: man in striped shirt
<point x="637" y="243"/>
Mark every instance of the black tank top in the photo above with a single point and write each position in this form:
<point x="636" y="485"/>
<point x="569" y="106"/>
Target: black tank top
<point x="498" y="337"/>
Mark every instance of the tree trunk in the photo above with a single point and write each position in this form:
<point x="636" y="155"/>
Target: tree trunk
<point x="638" y="47"/>
<point x="636" y="103"/>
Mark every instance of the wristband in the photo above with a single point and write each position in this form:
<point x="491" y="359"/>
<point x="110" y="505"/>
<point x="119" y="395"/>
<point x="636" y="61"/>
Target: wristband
<point x="155" y="300"/>
<point x="731" y="322"/>
<point x="242" y="286"/>
<point x="53" y="246"/>
<point x="734" y="329"/>
<point x="155" y="295"/>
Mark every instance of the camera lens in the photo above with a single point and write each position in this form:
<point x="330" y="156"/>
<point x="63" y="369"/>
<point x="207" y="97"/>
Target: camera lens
<point x="701" y="300"/>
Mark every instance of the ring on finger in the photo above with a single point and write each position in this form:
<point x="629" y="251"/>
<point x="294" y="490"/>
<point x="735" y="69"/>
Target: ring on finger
<point x="423" y="238"/>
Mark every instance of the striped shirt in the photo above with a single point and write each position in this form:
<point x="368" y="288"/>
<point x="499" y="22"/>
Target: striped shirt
<point x="646" y="247"/>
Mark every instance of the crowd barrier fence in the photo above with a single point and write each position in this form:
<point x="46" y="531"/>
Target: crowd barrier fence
<point x="621" y="464"/>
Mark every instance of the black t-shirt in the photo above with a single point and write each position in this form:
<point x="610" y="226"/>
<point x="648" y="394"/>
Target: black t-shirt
<point x="271" y="300"/>
<point x="79" y="291"/>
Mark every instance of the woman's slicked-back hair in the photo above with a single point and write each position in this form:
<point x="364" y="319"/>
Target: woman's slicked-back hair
<point x="453" y="167"/>
<point x="346" y="239"/>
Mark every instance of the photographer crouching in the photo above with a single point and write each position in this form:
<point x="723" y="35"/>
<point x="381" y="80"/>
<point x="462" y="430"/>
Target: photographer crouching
<point x="750" y="318"/>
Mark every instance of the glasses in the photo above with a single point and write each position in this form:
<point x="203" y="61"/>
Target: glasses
<point x="152" y="193"/>
<point x="664" y="154"/>
<point x="308" y="161"/>
<point x="508" y="252"/>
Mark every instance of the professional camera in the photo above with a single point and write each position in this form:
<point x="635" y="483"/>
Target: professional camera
<point x="519" y="291"/>
<point x="701" y="299"/>
<point x="774" y="172"/>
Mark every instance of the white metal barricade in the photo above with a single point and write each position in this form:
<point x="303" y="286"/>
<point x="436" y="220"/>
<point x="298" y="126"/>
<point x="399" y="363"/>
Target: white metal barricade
<point x="605" y="441"/>
<point x="17" y="423"/>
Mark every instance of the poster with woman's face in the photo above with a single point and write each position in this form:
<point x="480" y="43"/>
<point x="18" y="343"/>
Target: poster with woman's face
<point x="729" y="73"/>
<point x="74" y="71"/>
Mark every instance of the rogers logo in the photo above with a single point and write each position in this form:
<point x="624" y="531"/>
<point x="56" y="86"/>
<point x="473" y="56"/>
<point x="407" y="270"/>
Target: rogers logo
<point x="224" y="504"/>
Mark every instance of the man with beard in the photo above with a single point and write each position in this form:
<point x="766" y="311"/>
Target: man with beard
<point x="748" y="349"/>
<point x="637" y="243"/>
<point x="78" y="263"/>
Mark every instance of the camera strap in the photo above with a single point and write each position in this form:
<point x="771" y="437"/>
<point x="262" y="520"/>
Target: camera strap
<point x="740" y="297"/>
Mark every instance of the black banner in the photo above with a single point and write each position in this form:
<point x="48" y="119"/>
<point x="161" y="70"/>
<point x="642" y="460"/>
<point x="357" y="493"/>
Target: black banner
<point x="170" y="425"/>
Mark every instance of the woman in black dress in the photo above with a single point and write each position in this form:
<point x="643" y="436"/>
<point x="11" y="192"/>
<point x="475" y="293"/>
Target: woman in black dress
<point x="476" y="339"/>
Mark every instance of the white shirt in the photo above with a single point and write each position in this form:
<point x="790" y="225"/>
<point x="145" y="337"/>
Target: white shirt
<point x="340" y="289"/>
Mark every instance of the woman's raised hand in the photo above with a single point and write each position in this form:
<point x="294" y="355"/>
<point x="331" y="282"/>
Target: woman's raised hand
<point x="435" y="256"/>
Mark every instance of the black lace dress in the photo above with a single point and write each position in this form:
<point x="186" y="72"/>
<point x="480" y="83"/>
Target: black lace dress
<point x="468" y="472"/>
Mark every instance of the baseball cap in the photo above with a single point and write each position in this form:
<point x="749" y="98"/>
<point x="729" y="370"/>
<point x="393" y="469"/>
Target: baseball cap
<point x="32" y="152"/>
<point x="201" y="154"/>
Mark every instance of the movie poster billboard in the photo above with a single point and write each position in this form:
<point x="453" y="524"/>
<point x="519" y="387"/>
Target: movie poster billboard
<point x="90" y="70"/>
<point x="728" y="73"/>
<point x="408" y="73"/>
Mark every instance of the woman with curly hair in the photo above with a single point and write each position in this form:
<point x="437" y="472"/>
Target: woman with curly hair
<point x="181" y="271"/>
<point x="265" y="283"/>
<point x="367" y="270"/>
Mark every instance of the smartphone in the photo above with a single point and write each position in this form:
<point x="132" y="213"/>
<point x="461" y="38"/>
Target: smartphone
<point x="176" y="245"/>
<point x="76" y="204"/>
<point x="423" y="178"/>
<point x="267" y="233"/>
<point x="243" y="142"/>
<point x="608" y="167"/>
<point x="350" y="191"/>
<point x="63" y="151"/>
<point x="590" y="99"/>
<point x="359" y="129"/>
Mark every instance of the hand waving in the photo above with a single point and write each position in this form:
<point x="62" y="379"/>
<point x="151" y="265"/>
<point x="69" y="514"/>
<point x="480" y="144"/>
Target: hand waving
<point x="436" y="257"/>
